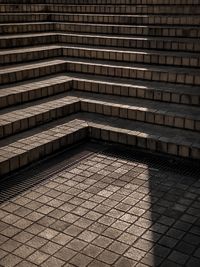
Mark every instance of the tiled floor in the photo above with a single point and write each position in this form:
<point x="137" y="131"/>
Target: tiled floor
<point x="104" y="210"/>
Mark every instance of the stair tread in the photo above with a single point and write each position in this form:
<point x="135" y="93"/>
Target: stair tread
<point x="22" y="140"/>
<point x="29" y="49"/>
<point x="50" y="80"/>
<point x="104" y="25"/>
<point x="99" y="48"/>
<point x="133" y="50"/>
<point x="139" y="83"/>
<point x="16" y="113"/>
<point x="134" y="65"/>
<point x="137" y="66"/>
<point x="25" y="35"/>
<point x="33" y="108"/>
<point x="25" y="86"/>
<point x="140" y="104"/>
<point x="35" y="64"/>
<point x="132" y="37"/>
<point x="177" y="136"/>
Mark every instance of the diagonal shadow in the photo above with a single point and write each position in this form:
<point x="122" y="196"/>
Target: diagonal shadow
<point x="165" y="191"/>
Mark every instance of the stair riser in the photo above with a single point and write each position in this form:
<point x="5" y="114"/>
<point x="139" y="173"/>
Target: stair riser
<point x="131" y="30"/>
<point x="30" y="56"/>
<point x="128" y="91"/>
<point x="97" y="69"/>
<point x="143" y="74"/>
<point x="17" y="76"/>
<point x="28" y="41"/>
<point x="154" y="117"/>
<point x="105" y="2"/>
<point x="161" y="44"/>
<point x="100" y="41"/>
<point x="101" y="29"/>
<point x="103" y="9"/>
<point x="141" y="141"/>
<point x="108" y="19"/>
<point x="94" y="132"/>
<point x="14" y="18"/>
<point x="24" y="94"/>
<point x="35" y="119"/>
<point x="158" y="20"/>
<point x="9" y="127"/>
<point x="26" y="28"/>
<point x="149" y="58"/>
<point x="49" y="146"/>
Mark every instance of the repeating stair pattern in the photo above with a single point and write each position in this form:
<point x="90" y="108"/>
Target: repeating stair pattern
<point x="122" y="71"/>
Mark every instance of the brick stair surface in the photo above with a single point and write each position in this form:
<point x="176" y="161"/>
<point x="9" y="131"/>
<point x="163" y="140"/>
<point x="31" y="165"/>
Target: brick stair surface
<point x="102" y="18"/>
<point x="29" y="115"/>
<point x="172" y="44"/>
<point x="160" y="9"/>
<point x="104" y="2"/>
<point x="35" y="144"/>
<point x="100" y="28"/>
<point x="23" y="71"/>
<point x="127" y="55"/>
<point x="52" y="85"/>
<point x="109" y="70"/>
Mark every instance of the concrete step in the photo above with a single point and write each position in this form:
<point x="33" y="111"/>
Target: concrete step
<point x="20" y="55"/>
<point x="20" y="72"/>
<point x="110" y="18"/>
<point x="104" y="2"/>
<point x="179" y="9"/>
<point x="13" y="28"/>
<point x="35" y="144"/>
<point x="23" y="55"/>
<point x="128" y="19"/>
<point x="24" y="17"/>
<point x="146" y="56"/>
<point x="114" y="41"/>
<point x="24" y="92"/>
<point x="135" y="71"/>
<point x="141" y="30"/>
<point x="157" y="91"/>
<point x="139" y="42"/>
<point x="147" y="136"/>
<point x="159" y="57"/>
<point x="24" y="117"/>
<point x="155" y="112"/>
<point x="20" y="118"/>
<point x="28" y="39"/>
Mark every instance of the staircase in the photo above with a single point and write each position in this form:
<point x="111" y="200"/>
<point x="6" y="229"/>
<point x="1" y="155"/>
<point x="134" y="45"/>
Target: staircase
<point x="123" y="71"/>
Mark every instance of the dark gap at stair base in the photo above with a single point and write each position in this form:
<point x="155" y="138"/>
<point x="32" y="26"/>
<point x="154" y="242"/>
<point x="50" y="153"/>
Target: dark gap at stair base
<point x="40" y="171"/>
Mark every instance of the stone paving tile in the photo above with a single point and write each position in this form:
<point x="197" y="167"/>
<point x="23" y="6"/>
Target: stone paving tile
<point x="142" y="217"/>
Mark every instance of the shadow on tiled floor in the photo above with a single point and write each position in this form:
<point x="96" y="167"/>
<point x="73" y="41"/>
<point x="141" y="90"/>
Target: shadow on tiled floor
<point x="102" y="206"/>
